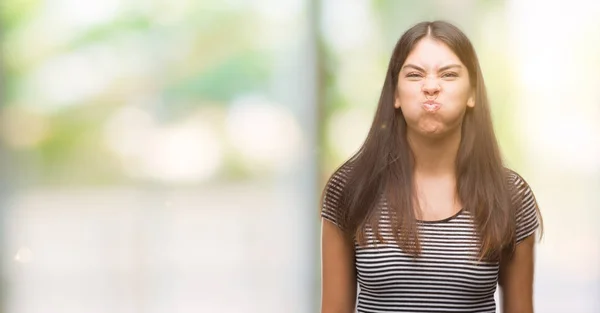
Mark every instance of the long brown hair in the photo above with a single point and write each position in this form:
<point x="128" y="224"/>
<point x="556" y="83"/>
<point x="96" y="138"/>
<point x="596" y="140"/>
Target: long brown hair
<point x="384" y="164"/>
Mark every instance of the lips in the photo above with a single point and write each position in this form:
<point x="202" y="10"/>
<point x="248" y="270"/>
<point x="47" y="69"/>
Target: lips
<point x="431" y="106"/>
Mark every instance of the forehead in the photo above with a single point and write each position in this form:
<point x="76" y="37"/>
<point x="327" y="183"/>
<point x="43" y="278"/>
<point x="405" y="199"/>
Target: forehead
<point x="431" y="53"/>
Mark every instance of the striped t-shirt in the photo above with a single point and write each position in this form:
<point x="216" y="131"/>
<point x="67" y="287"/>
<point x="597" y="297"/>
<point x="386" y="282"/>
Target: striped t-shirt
<point x="446" y="277"/>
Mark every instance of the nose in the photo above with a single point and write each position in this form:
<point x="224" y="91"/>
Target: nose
<point x="430" y="87"/>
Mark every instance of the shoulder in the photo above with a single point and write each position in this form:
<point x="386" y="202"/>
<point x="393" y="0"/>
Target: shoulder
<point x="333" y="194"/>
<point x="527" y="214"/>
<point x="336" y="184"/>
<point x="514" y="178"/>
<point x="518" y="186"/>
<point x="339" y="178"/>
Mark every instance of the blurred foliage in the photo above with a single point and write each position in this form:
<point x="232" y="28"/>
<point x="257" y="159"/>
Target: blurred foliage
<point x="239" y="74"/>
<point x="200" y="58"/>
<point x="138" y="23"/>
<point x="13" y="13"/>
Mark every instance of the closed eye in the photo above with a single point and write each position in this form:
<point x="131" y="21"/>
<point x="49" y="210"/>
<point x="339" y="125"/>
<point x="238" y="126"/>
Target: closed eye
<point x="450" y="74"/>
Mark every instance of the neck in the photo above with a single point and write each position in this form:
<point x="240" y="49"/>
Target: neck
<point x="434" y="156"/>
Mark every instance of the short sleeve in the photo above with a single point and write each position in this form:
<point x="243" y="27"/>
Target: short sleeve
<point x="527" y="211"/>
<point x="332" y="197"/>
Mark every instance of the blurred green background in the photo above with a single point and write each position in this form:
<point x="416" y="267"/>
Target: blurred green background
<point x="168" y="156"/>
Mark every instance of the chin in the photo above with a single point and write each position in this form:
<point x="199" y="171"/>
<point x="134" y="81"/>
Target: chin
<point x="434" y="132"/>
<point x="431" y="129"/>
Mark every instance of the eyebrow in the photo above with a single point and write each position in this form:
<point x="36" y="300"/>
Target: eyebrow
<point x="443" y="68"/>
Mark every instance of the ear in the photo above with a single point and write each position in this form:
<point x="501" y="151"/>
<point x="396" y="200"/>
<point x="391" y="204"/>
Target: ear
<point x="396" y="100"/>
<point x="471" y="101"/>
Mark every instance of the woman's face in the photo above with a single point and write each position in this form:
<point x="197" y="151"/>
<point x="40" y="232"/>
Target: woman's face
<point x="433" y="89"/>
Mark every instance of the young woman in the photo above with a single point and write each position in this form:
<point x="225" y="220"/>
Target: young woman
<point x="425" y="217"/>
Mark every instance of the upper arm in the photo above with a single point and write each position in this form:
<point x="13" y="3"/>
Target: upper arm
<point x="338" y="276"/>
<point x="516" y="274"/>
<point x="338" y="272"/>
<point x="516" y="278"/>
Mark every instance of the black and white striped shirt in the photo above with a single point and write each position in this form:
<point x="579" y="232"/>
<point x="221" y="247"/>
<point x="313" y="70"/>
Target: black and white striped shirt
<point x="446" y="277"/>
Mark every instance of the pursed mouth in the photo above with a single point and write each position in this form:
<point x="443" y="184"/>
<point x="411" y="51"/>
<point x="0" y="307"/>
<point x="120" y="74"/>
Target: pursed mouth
<point x="431" y="106"/>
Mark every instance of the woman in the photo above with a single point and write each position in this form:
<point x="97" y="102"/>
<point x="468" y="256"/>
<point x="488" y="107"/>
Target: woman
<point x="425" y="217"/>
